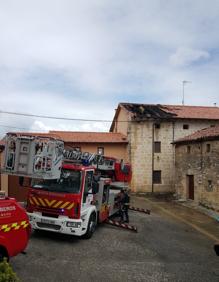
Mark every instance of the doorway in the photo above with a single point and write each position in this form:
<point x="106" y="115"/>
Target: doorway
<point x="190" y="185"/>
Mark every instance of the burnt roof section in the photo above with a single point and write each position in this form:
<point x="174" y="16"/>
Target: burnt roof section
<point x="206" y="134"/>
<point x="144" y="111"/>
<point x="147" y="111"/>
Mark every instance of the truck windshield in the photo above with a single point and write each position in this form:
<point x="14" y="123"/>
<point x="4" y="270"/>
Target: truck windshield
<point x="69" y="182"/>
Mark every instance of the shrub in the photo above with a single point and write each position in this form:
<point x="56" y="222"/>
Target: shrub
<point x="6" y="273"/>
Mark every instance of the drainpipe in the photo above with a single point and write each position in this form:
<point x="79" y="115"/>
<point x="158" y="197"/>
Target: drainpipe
<point x="174" y="159"/>
<point x="201" y="157"/>
<point x="152" y="162"/>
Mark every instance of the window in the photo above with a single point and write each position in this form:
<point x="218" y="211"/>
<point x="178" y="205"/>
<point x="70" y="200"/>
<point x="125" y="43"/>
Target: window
<point x="88" y="184"/>
<point x="157" y="176"/>
<point x="157" y="147"/>
<point x="185" y="126"/>
<point x="208" y="148"/>
<point x="157" y="125"/>
<point x="100" y="151"/>
<point x="105" y="193"/>
<point x="69" y="182"/>
<point x="188" y="149"/>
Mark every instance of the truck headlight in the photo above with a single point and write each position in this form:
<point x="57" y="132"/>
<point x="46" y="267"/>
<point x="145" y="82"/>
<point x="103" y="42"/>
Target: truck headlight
<point x="73" y="224"/>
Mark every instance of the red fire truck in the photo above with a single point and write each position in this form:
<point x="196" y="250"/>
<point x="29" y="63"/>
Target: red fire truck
<point x="14" y="228"/>
<point x="70" y="191"/>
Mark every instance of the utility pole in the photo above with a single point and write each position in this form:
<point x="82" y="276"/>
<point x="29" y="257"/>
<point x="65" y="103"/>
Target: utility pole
<point x="183" y="85"/>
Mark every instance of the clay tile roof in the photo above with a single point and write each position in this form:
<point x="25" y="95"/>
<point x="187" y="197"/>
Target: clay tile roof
<point x="193" y="112"/>
<point x="90" y="137"/>
<point x="81" y="137"/>
<point x="210" y="133"/>
<point x="36" y="134"/>
<point x="140" y="111"/>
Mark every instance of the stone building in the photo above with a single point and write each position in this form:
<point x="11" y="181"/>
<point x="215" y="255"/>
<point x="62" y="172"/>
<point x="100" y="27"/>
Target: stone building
<point x="107" y="143"/>
<point x="151" y="130"/>
<point x="197" y="167"/>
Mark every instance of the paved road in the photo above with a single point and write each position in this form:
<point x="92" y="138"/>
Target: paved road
<point x="165" y="249"/>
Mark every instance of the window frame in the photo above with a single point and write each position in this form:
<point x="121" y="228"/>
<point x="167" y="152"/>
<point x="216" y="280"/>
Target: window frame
<point x="157" y="179"/>
<point x="157" y="149"/>
<point x="100" y="148"/>
<point x="208" y="148"/>
<point x="185" y="126"/>
<point x="157" y="125"/>
<point x="87" y="187"/>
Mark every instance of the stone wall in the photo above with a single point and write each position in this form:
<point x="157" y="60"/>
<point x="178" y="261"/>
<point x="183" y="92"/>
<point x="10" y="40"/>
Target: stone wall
<point x="140" y="151"/>
<point x="204" y="166"/>
<point x="141" y="138"/>
<point x="121" y="125"/>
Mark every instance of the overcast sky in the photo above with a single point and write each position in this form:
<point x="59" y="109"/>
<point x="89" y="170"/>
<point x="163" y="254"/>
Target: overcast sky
<point x="79" y="59"/>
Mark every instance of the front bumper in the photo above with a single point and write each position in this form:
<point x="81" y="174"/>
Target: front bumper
<point x="62" y="224"/>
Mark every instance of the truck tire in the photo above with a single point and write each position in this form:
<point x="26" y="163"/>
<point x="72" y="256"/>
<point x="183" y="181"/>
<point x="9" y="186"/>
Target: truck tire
<point x="92" y="223"/>
<point x="3" y="254"/>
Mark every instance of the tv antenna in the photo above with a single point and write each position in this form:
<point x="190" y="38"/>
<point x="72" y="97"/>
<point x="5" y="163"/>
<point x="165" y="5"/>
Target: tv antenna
<point x="183" y="85"/>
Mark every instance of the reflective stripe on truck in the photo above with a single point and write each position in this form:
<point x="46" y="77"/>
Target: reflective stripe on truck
<point x="37" y="201"/>
<point x="14" y="226"/>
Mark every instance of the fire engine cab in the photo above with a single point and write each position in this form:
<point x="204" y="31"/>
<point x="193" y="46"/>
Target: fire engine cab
<point x="68" y="194"/>
<point x="14" y="228"/>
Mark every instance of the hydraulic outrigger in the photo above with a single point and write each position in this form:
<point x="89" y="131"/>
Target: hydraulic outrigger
<point x="124" y="225"/>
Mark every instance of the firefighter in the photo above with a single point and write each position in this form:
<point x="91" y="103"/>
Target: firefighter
<point x="124" y="205"/>
<point x="118" y="201"/>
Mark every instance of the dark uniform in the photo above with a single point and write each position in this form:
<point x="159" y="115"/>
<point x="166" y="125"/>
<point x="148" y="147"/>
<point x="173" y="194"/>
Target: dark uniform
<point x="124" y="206"/>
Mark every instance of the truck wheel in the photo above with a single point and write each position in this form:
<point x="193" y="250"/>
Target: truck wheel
<point x="91" y="226"/>
<point x="3" y="254"/>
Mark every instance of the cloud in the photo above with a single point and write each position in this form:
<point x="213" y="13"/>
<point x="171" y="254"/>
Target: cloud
<point x="80" y="59"/>
<point x="88" y="126"/>
<point x="39" y="126"/>
<point x="186" y="56"/>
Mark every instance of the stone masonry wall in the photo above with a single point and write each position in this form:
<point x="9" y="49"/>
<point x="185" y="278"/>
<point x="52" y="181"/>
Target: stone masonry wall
<point x="140" y="152"/>
<point x="205" y="167"/>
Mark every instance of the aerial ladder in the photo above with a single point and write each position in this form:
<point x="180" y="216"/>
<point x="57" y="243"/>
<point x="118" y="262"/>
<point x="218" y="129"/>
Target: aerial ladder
<point x="35" y="157"/>
<point x="44" y="158"/>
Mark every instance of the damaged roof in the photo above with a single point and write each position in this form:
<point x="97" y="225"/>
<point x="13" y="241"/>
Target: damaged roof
<point x="210" y="133"/>
<point x="142" y="111"/>
<point x="146" y="111"/>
